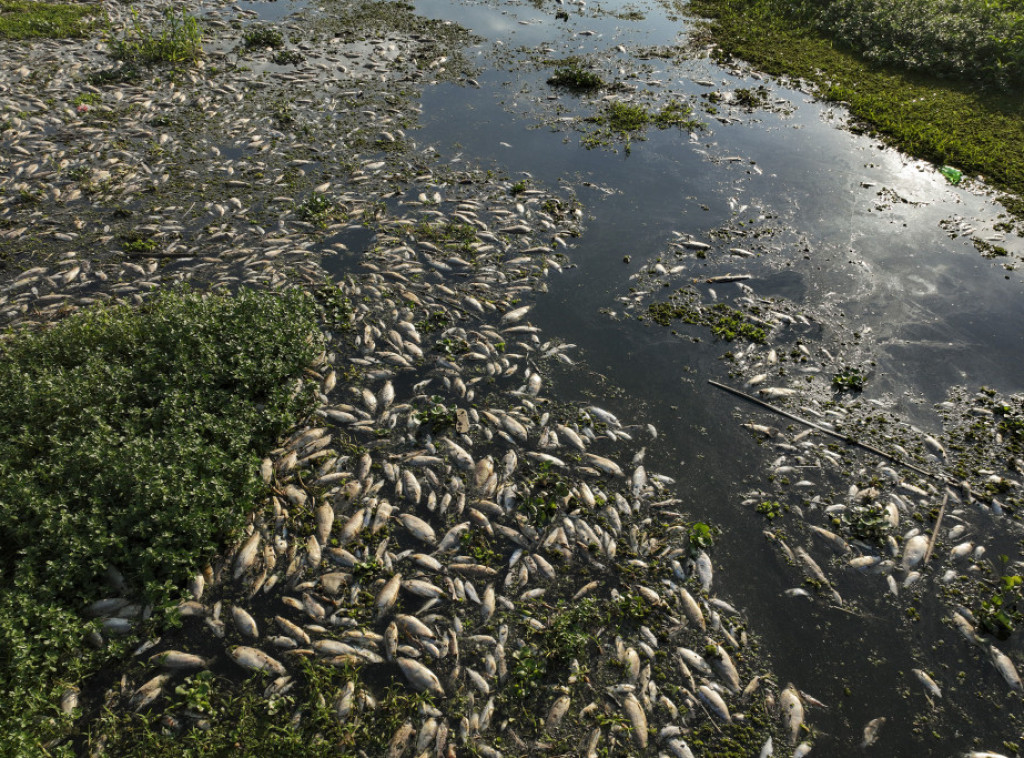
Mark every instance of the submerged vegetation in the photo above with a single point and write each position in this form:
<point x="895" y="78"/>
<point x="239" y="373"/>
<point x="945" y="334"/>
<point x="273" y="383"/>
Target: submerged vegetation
<point x="128" y="450"/>
<point x="883" y="60"/>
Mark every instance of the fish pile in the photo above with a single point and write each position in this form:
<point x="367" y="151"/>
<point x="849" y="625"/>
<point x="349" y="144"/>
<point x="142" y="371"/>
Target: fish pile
<point x="443" y="523"/>
<point x="478" y="515"/>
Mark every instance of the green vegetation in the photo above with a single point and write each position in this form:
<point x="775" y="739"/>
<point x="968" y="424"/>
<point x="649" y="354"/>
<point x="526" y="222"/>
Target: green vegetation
<point x="624" y="117"/>
<point x="981" y="41"/>
<point x="725" y="322"/>
<point x="138" y="243"/>
<point x="701" y="537"/>
<point x="849" y="379"/>
<point x="178" y="39"/>
<point x="257" y="37"/>
<point x="621" y="120"/>
<point x="317" y="209"/>
<point x="771" y="509"/>
<point x="240" y="721"/>
<point x="1002" y="611"/>
<point x="287" y="57"/>
<point x="948" y="121"/>
<point x="28" y="20"/>
<point x="676" y="114"/>
<point x="437" y="415"/>
<point x="751" y="98"/>
<point x="867" y="522"/>
<point x="573" y="76"/>
<point x="450" y="235"/>
<point x="129" y="443"/>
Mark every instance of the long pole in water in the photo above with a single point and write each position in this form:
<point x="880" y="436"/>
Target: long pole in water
<point x="845" y="438"/>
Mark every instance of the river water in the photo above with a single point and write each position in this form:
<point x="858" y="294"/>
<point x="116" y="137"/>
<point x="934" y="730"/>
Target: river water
<point x="850" y="229"/>
<point x="875" y="246"/>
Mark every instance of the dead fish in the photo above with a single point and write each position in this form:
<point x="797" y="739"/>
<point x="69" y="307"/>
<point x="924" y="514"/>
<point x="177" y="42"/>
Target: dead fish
<point x="792" y="712"/>
<point x="603" y="465"/>
<point x="178" y="661"/>
<point x="246" y="556"/>
<point x="148" y="692"/>
<point x="557" y="712"/>
<point x="928" y="683"/>
<point x="871" y="731"/>
<point x="1005" y="668"/>
<point x="420" y="677"/>
<point x="255" y="659"/>
<point x="637" y="719"/>
<point x="418" y="528"/>
<point x="715" y="703"/>
<point x="245" y="623"/>
<point x="400" y="740"/>
<point x="388" y="595"/>
<point x="914" y="550"/>
<point x="462" y="459"/>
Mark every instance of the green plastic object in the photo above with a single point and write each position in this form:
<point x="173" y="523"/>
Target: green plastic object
<point x="953" y="175"/>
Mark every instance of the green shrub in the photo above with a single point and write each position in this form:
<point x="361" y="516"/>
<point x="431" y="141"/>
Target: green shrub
<point x="130" y="438"/>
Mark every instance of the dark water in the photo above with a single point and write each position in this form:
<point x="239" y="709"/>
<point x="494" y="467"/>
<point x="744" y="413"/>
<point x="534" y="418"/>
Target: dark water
<point x="930" y="310"/>
<point x="848" y="229"/>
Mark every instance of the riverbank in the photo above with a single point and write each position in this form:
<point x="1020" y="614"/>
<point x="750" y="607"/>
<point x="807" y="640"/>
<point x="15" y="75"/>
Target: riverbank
<point x="978" y="130"/>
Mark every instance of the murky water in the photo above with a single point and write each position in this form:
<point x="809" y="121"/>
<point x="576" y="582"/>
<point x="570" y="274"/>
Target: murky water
<point x="844" y="227"/>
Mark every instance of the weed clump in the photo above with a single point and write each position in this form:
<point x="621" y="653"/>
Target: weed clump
<point x="129" y="442"/>
<point x="178" y="39"/>
<point x="574" y="77"/>
<point x="262" y="36"/>
<point x="724" y="321"/>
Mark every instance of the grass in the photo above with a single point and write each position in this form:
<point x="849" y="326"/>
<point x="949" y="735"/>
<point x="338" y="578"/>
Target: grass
<point x="31" y="20"/>
<point x="129" y="438"/>
<point x="948" y="121"/>
<point x="176" y="40"/>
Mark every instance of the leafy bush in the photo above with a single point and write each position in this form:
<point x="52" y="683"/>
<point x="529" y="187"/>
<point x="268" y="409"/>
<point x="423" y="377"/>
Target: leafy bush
<point x="130" y="438"/>
<point x="177" y="40"/>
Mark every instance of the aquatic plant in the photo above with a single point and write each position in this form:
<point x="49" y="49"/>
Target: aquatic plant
<point x="574" y="77"/>
<point x="262" y="37"/>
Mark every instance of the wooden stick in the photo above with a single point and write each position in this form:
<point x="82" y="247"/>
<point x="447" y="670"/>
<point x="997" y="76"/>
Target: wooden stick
<point x="845" y="438"/>
<point x="935" y="531"/>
